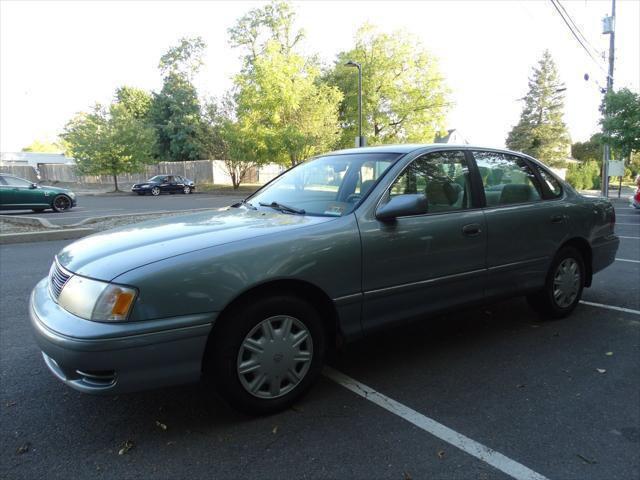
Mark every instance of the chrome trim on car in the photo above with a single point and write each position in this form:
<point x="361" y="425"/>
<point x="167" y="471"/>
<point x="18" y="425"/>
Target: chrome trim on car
<point x="408" y="286"/>
<point x="58" y="278"/>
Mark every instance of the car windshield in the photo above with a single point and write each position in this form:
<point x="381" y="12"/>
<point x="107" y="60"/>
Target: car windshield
<point x="157" y="178"/>
<point x="332" y="185"/>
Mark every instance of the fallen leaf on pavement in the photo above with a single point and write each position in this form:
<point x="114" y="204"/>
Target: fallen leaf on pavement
<point x="601" y="370"/>
<point x="162" y="426"/>
<point x="608" y="354"/>
<point x="521" y="385"/>
<point x="407" y="476"/>
<point x="126" y="446"/>
<point x="23" y="448"/>
<point x="441" y="453"/>
<point x="275" y="430"/>
<point x="170" y="443"/>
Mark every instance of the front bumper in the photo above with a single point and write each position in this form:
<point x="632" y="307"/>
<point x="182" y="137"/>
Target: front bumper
<point x="111" y="358"/>
<point x="137" y="188"/>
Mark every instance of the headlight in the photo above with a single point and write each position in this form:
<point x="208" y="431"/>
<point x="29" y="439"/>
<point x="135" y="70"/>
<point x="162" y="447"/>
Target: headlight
<point x="98" y="301"/>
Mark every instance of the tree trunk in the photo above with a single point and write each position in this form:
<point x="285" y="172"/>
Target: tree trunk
<point x="115" y="182"/>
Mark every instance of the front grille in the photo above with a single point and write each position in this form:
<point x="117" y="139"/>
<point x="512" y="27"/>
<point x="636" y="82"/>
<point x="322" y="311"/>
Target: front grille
<point x="58" y="278"/>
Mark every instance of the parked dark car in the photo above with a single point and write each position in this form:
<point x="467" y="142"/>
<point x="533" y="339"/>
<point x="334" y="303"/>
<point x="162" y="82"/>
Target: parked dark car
<point x="19" y="194"/>
<point x="164" y="184"/>
<point x="254" y="295"/>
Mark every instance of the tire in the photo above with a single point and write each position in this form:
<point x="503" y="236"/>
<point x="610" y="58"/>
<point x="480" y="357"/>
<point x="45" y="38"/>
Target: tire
<point x="282" y="372"/>
<point x="155" y="191"/>
<point x="38" y="210"/>
<point x="563" y="286"/>
<point x="186" y="190"/>
<point x="61" y="203"/>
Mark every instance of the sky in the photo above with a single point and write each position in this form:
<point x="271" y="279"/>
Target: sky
<point x="60" y="57"/>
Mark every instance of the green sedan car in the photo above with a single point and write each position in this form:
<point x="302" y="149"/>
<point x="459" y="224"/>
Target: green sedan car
<point x="253" y="296"/>
<point x="19" y="194"/>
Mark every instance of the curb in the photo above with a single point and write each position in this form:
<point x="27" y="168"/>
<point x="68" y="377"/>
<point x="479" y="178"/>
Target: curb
<point x="37" y="221"/>
<point x="62" y="234"/>
<point x="120" y="215"/>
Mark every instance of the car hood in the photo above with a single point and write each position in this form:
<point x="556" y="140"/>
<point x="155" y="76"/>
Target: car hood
<point x="108" y="254"/>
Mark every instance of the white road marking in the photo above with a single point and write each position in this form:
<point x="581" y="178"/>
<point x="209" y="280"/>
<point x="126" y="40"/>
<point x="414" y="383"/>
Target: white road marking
<point x="627" y="260"/>
<point x="481" y="452"/>
<point x="635" y="238"/>
<point x="625" y="215"/>
<point x="636" y="224"/>
<point x="611" y="307"/>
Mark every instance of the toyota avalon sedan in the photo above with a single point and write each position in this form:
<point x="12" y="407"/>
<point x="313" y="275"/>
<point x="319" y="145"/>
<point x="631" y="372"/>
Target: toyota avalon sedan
<point x="254" y="295"/>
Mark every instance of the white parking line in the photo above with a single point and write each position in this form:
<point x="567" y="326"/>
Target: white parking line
<point x="627" y="215"/>
<point x="635" y="238"/>
<point x="636" y="224"/>
<point x="485" y="454"/>
<point x="627" y="260"/>
<point x="611" y="307"/>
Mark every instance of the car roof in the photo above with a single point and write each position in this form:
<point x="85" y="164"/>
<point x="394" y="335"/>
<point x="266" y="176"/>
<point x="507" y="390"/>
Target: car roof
<point x="412" y="147"/>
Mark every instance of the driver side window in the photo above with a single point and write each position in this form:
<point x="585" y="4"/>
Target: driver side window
<point x="443" y="177"/>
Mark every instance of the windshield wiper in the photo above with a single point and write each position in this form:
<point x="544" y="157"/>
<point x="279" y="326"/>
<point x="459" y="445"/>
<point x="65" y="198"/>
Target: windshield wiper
<point x="283" y="208"/>
<point x="244" y="203"/>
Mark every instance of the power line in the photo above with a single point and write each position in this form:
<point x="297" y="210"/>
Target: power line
<point x="576" y="36"/>
<point x="577" y="28"/>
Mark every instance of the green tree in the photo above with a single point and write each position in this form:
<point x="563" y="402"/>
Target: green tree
<point x="621" y="122"/>
<point x="589" y="150"/>
<point x="541" y="131"/>
<point x="45" y="147"/>
<point x="404" y="95"/>
<point x="175" y="111"/>
<point x="281" y="101"/>
<point x="109" y="140"/>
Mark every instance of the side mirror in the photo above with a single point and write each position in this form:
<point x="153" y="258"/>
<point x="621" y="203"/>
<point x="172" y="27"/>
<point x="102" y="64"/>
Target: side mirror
<point x="33" y="185"/>
<point x="401" y="206"/>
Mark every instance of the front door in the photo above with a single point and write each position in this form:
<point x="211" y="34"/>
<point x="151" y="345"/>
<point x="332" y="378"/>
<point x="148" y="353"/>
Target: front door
<point x="20" y="193"/>
<point x="424" y="263"/>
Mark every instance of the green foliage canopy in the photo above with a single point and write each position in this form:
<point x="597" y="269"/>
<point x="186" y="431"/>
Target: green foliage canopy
<point x="109" y="140"/>
<point x="621" y="121"/>
<point x="541" y="132"/>
<point x="404" y="97"/>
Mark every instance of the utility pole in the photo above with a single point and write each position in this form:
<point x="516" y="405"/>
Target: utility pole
<point x="360" y="141"/>
<point x="609" y="27"/>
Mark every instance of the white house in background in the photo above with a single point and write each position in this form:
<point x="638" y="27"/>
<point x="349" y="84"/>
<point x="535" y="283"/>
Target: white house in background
<point x="33" y="159"/>
<point x="452" y="136"/>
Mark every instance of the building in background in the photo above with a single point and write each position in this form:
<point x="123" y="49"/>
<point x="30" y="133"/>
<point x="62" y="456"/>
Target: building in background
<point x="453" y="136"/>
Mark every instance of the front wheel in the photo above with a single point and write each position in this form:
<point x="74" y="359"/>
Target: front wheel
<point x="266" y="355"/>
<point x="155" y="191"/>
<point x="563" y="286"/>
<point x="61" y="203"/>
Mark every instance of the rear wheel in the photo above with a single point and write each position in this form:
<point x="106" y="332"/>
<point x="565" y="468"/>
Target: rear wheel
<point x="563" y="286"/>
<point x="61" y="203"/>
<point x="266" y="355"/>
<point x="186" y="190"/>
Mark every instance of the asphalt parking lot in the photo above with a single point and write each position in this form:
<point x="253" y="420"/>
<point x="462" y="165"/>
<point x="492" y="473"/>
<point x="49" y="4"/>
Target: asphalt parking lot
<point x="528" y="399"/>
<point x="103" y="205"/>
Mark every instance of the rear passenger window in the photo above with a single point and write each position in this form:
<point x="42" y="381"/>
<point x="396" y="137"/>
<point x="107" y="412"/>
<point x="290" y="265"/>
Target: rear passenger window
<point x="507" y="179"/>
<point x="443" y="177"/>
<point x="550" y="184"/>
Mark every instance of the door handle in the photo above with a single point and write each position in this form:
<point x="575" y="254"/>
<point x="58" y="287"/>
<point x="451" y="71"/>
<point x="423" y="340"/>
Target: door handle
<point x="557" y="219"/>
<point x="471" y="230"/>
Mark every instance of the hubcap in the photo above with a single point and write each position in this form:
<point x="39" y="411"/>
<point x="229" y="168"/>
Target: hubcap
<point x="155" y="191"/>
<point x="187" y="189"/>
<point x="61" y="203"/>
<point x="275" y="356"/>
<point x="566" y="282"/>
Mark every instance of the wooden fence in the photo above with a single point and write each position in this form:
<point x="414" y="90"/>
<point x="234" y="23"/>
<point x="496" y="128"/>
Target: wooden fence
<point x="200" y="171"/>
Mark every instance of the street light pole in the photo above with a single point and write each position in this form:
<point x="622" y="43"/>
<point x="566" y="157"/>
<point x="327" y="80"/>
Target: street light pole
<point x="610" y="23"/>
<point x="360" y="141"/>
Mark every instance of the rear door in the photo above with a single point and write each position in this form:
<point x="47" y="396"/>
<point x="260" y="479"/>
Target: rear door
<point x="424" y="263"/>
<point x="525" y="227"/>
